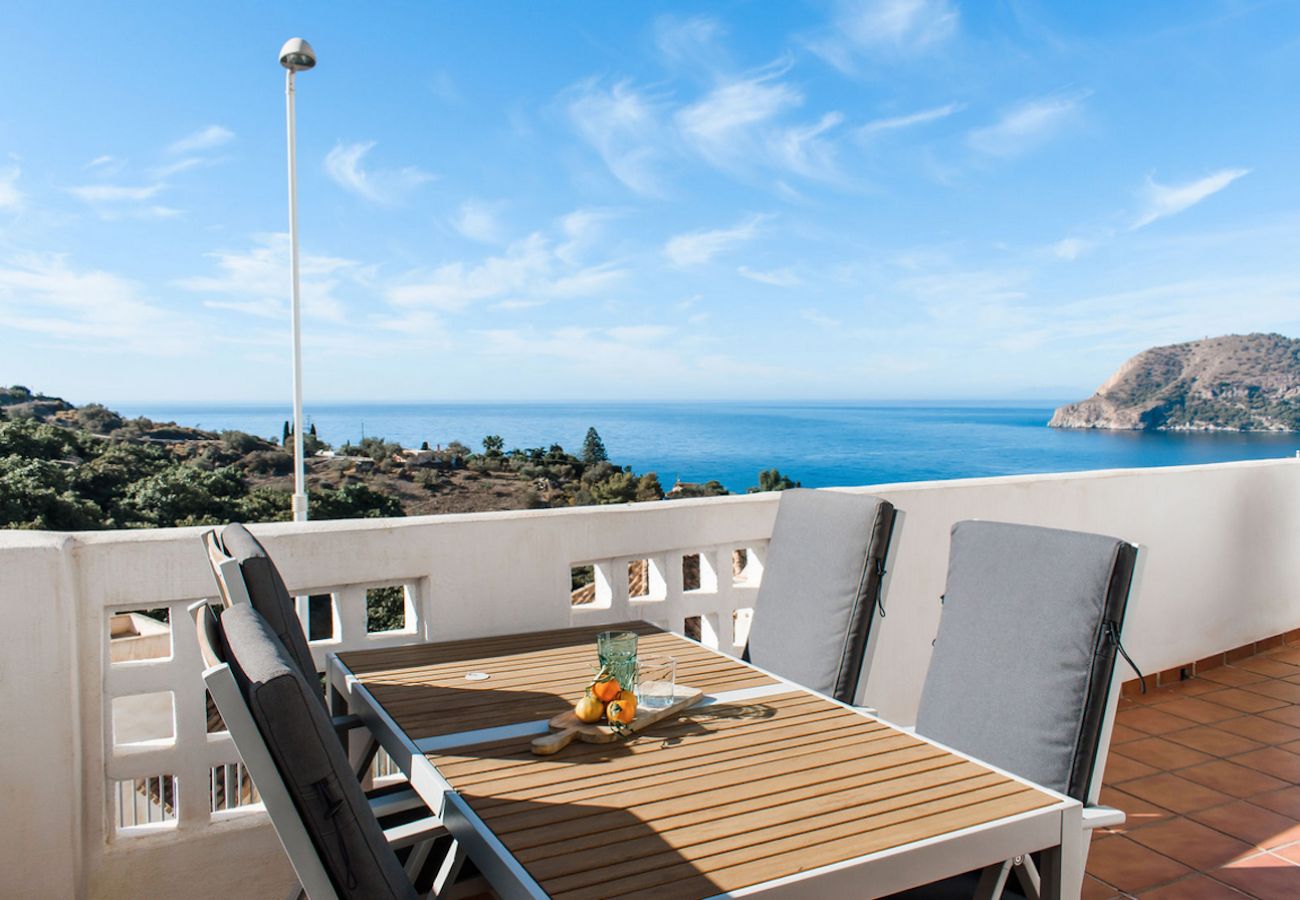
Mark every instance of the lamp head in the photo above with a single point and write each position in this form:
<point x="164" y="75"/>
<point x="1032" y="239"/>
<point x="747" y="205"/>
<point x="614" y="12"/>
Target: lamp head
<point x="297" y="55"/>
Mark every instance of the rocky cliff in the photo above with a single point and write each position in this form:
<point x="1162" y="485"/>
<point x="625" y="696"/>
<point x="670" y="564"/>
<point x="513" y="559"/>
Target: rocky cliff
<point x="1233" y="383"/>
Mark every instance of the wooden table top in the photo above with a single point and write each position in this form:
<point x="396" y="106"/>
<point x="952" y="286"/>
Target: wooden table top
<point x="718" y="798"/>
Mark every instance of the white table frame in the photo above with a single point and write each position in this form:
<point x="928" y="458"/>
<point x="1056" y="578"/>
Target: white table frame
<point x="1055" y="830"/>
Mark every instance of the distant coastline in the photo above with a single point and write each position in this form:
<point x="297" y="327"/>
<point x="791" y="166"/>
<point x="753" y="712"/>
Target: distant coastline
<point x="821" y="444"/>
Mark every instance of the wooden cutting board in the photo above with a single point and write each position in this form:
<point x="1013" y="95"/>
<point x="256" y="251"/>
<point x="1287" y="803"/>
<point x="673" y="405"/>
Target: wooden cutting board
<point x="600" y="733"/>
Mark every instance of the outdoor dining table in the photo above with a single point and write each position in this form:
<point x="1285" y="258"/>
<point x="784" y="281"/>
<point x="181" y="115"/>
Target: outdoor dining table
<point x="763" y="786"/>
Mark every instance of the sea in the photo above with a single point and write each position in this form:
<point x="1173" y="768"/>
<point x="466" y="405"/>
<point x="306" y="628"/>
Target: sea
<point x="817" y="444"/>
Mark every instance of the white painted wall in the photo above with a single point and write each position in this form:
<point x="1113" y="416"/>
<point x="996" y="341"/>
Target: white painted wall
<point x="1221" y="571"/>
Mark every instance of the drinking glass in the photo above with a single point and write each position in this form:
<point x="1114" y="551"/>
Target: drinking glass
<point x="656" y="681"/>
<point x="617" y="653"/>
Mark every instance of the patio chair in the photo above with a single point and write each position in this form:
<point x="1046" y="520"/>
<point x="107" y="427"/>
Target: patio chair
<point x="1023" y="674"/>
<point x="328" y="826"/>
<point x="245" y="573"/>
<point x="821" y="588"/>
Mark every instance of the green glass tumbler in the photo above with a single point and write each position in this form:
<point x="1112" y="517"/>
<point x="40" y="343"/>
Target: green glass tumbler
<point x="617" y="653"/>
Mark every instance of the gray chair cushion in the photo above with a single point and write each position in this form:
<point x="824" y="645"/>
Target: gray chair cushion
<point x="269" y="596"/>
<point x="821" y="583"/>
<point x="311" y="761"/>
<point x="1021" y="670"/>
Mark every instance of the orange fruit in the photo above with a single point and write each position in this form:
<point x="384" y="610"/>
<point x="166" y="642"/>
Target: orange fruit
<point x="605" y="687"/>
<point x="589" y="709"/>
<point x="622" y="710"/>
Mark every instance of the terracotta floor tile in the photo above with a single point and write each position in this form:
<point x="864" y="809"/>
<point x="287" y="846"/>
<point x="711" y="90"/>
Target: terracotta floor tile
<point x="1214" y="741"/>
<point x="1194" y="687"/>
<point x="1258" y="729"/>
<point x="1265" y="876"/>
<point x="1246" y="701"/>
<point x="1231" y="675"/>
<point x="1285" y="801"/>
<point x="1287" y="653"/>
<point x="1129" y="866"/>
<point x="1197" y="887"/>
<point x="1248" y="822"/>
<point x="1138" y="812"/>
<point x="1203" y="711"/>
<point x="1120" y="768"/>
<point x="1279" y="690"/>
<point x="1151" y="720"/>
<point x="1097" y="890"/>
<point x="1192" y="843"/>
<point x="1164" y="754"/>
<point x="1274" y="761"/>
<point x="1287" y="715"/>
<point x="1175" y="794"/>
<point x="1121" y="734"/>
<point x="1270" y="666"/>
<point x="1294" y="679"/>
<point x="1292" y="853"/>
<point x="1155" y="695"/>
<point x="1234" y="778"/>
<point x="1293" y="747"/>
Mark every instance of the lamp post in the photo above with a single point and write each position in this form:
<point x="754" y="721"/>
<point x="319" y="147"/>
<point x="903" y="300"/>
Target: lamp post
<point x="296" y="56"/>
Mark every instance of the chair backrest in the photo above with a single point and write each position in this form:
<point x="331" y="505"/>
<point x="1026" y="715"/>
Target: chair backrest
<point x="297" y="763"/>
<point x="820" y="590"/>
<point x="244" y="570"/>
<point x="1023" y="670"/>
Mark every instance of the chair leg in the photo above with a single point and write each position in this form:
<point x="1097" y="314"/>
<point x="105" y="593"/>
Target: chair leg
<point x="450" y="869"/>
<point x="1027" y="873"/>
<point x="416" y="859"/>
<point x="992" y="881"/>
<point x="365" y="757"/>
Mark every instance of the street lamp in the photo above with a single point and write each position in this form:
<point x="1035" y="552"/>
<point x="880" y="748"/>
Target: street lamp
<point x="296" y="56"/>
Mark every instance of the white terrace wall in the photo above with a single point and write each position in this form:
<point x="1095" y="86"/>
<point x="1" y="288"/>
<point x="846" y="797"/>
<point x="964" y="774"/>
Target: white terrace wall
<point x="1222" y="570"/>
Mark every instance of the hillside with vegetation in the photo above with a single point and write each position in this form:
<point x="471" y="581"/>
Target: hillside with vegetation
<point x="1233" y="383"/>
<point x="74" y="468"/>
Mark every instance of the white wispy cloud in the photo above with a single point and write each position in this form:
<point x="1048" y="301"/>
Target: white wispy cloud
<point x="1072" y="248"/>
<point x="115" y="193"/>
<point x="696" y="248"/>
<point x="784" y="277"/>
<point x="582" y="230"/>
<point x="203" y="139"/>
<point x="255" y="281"/>
<point x="897" y="123"/>
<point x="89" y="309"/>
<point x="719" y="126"/>
<point x="818" y="318"/>
<point x="691" y="43"/>
<point x="862" y="29"/>
<point x="10" y="196"/>
<point x="1166" y="200"/>
<point x="805" y="149"/>
<point x="1026" y="126"/>
<point x="478" y="221"/>
<point x="386" y="187"/>
<point x="623" y="126"/>
<point x="529" y="270"/>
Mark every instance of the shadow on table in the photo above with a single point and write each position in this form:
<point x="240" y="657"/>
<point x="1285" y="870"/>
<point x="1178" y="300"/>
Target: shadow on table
<point x="599" y="850"/>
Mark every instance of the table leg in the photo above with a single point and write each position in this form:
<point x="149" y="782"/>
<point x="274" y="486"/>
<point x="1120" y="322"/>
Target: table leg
<point x="1062" y="867"/>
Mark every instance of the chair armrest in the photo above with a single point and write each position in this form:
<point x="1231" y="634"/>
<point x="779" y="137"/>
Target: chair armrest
<point x="347" y="722"/>
<point x="1102" y="817"/>
<point x="869" y="710"/>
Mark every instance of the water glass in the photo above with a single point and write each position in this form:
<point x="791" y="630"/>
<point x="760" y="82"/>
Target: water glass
<point x="617" y="653"/>
<point x="657" y="684"/>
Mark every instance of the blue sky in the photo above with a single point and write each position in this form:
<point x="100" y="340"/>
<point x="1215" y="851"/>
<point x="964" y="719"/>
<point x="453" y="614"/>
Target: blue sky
<point x="891" y="199"/>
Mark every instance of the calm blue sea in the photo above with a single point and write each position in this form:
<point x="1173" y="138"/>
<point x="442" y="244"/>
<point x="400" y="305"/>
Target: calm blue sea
<point x="819" y="444"/>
